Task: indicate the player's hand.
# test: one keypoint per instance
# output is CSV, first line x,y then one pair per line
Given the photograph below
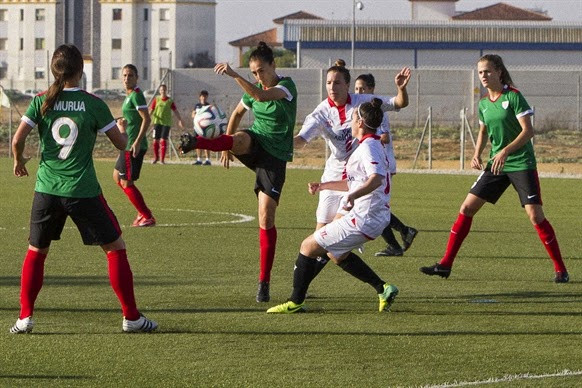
x,y
20,167
225,158
476,163
402,78
134,150
224,68
313,187
349,203
499,162
121,124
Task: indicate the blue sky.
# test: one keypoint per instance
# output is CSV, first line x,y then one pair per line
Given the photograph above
x,y
238,18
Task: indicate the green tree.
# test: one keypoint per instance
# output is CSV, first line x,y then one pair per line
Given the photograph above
x,y
283,58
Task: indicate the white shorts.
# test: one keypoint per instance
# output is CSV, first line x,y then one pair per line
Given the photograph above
x,y
327,208
339,237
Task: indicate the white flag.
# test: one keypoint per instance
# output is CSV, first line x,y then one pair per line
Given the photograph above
x,y
4,100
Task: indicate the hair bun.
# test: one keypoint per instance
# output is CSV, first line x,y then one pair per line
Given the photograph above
x,y
376,102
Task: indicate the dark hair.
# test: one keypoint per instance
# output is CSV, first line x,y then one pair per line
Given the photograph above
x,y
371,113
262,53
132,68
340,67
498,64
368,80
66,65
204,93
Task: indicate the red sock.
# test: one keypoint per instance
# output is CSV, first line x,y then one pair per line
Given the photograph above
x,y
221,143
121,280
459,231
267,242
31,281
548,237
157,150
137,200
163,146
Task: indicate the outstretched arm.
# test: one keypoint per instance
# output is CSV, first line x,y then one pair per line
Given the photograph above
x,y
269,94
401,81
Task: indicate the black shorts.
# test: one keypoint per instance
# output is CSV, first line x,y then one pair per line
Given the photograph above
x,y
129,167
490,187
269,170
93,217
161,131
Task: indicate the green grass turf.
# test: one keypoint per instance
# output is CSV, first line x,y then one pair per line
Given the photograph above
x,y
498,314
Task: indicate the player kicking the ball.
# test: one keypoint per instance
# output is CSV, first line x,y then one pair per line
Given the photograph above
x,y
265,147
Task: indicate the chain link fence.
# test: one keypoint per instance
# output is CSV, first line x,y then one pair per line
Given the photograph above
x,y
451,95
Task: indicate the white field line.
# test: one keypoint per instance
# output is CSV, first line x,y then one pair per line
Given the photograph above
x,y
506,378
239,218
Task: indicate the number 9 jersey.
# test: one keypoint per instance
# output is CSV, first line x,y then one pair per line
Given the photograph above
x,y
67,135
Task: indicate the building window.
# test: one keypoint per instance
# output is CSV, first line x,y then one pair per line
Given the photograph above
x,y
145,73
116,44
145,44
38,72
21,44
3,44
3,72
21,15
164,44
3,15
39,14
117,13
165,14
146,14
116,73
39,43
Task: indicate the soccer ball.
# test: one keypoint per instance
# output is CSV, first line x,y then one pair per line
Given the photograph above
x,y
210,122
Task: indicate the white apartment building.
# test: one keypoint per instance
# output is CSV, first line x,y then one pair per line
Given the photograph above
x,y
154,35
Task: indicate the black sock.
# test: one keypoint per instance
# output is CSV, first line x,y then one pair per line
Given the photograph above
x,y
397,225
303,274
389,237
356,267
320,263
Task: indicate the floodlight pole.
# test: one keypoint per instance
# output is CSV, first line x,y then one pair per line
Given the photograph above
x,y
353,32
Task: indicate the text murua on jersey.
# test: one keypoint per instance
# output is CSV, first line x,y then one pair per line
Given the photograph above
x,y
70,106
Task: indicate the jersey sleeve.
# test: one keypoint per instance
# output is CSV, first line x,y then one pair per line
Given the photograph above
x,y
287,85
313,125
520,105
105,120
32,114
247,101
374,159
139,100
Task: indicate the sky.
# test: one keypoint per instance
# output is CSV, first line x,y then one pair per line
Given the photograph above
x,y
236,19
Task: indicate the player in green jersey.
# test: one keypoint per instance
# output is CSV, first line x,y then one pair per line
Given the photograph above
x,y
136,120
265,147
505,119
68,120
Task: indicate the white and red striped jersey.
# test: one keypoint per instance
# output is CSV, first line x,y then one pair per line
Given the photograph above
x,y
333,123
371,212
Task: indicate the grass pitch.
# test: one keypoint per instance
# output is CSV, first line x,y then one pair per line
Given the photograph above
x,y
499,314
